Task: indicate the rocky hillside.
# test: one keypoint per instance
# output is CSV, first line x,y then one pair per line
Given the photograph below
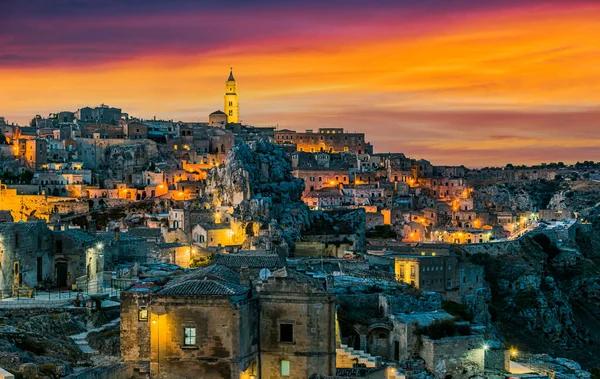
x,y
518,196
258,182
40,337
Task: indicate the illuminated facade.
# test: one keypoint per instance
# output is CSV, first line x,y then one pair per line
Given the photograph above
x,y
331,140
216,322
232,107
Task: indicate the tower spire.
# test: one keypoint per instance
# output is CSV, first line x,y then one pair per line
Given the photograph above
x,y
232,109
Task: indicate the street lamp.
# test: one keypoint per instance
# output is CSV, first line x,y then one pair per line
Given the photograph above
x,y
155,322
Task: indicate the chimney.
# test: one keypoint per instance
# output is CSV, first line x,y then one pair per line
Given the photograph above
x,y
245,276
92,227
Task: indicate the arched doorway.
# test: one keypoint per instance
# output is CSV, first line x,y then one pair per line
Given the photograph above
x,y
62,272
378,342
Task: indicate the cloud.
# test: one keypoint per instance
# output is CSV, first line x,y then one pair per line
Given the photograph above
x,y
456,82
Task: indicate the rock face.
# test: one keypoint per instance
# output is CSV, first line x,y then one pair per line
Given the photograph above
x,y
257,182
39,338
524,196
524,295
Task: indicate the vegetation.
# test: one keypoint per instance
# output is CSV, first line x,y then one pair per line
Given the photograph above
x,y
457,310
201,261
547,246
24,177
381,231
439,329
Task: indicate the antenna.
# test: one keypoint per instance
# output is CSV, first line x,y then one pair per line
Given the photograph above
x,y
264,274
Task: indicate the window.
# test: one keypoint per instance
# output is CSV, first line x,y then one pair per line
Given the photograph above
x,y
189,336
39,268
284,368
143,314
286,332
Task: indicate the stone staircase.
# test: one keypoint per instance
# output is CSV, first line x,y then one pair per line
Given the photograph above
x,y
347,357
81,338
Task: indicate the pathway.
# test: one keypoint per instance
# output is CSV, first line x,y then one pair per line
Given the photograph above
x,y
81,338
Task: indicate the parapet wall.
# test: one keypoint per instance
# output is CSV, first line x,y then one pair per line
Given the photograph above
x,y
493,248
460,357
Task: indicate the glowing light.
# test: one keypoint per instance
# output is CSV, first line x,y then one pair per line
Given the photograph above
x,y
332,182
485,346
514,352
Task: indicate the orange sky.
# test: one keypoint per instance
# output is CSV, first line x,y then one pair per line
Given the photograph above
x,y
488,87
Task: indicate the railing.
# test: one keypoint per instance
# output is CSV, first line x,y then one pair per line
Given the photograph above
x,y
50,299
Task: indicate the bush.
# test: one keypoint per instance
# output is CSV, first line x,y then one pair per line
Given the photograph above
x,y
202,261
458,310
381,231
547,245
439,329
27,344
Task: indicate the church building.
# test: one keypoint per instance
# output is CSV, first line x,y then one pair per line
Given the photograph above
x,y
232,108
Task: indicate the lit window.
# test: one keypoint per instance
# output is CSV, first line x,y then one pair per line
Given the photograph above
x,y
189,336
143,314
284,368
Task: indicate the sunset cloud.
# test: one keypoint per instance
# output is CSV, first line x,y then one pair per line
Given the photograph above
x,y
461,83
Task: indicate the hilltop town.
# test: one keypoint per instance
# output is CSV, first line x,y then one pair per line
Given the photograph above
x,y
138,248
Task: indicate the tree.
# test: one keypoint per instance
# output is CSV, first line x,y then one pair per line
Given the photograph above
x,y
33,121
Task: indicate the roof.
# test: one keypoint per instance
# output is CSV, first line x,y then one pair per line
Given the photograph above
x,y
204,287
214,271
231,79
212,226
248,260
145,232
218,112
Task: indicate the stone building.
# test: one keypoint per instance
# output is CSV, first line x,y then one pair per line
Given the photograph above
x,y
214,322
332,140
427,272
297,326
232,106
35,152
101,114
135,130
217,119
27,257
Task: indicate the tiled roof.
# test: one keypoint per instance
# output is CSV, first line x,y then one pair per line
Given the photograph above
x,y
204,287
214,271
248,260
288,273
145,232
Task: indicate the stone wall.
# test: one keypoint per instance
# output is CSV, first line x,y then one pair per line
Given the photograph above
x,y
135,334
317,249
461,357
226,336
492,248
497,359
116,371
312,314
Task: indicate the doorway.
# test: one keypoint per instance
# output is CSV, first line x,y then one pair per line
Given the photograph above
x,y
61,274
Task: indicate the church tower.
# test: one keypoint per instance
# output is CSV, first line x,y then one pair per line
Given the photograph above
x,y
232,108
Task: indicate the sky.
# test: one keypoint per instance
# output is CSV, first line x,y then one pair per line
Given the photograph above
x,y
479,83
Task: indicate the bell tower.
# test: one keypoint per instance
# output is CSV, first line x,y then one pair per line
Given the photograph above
x,y
232,108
